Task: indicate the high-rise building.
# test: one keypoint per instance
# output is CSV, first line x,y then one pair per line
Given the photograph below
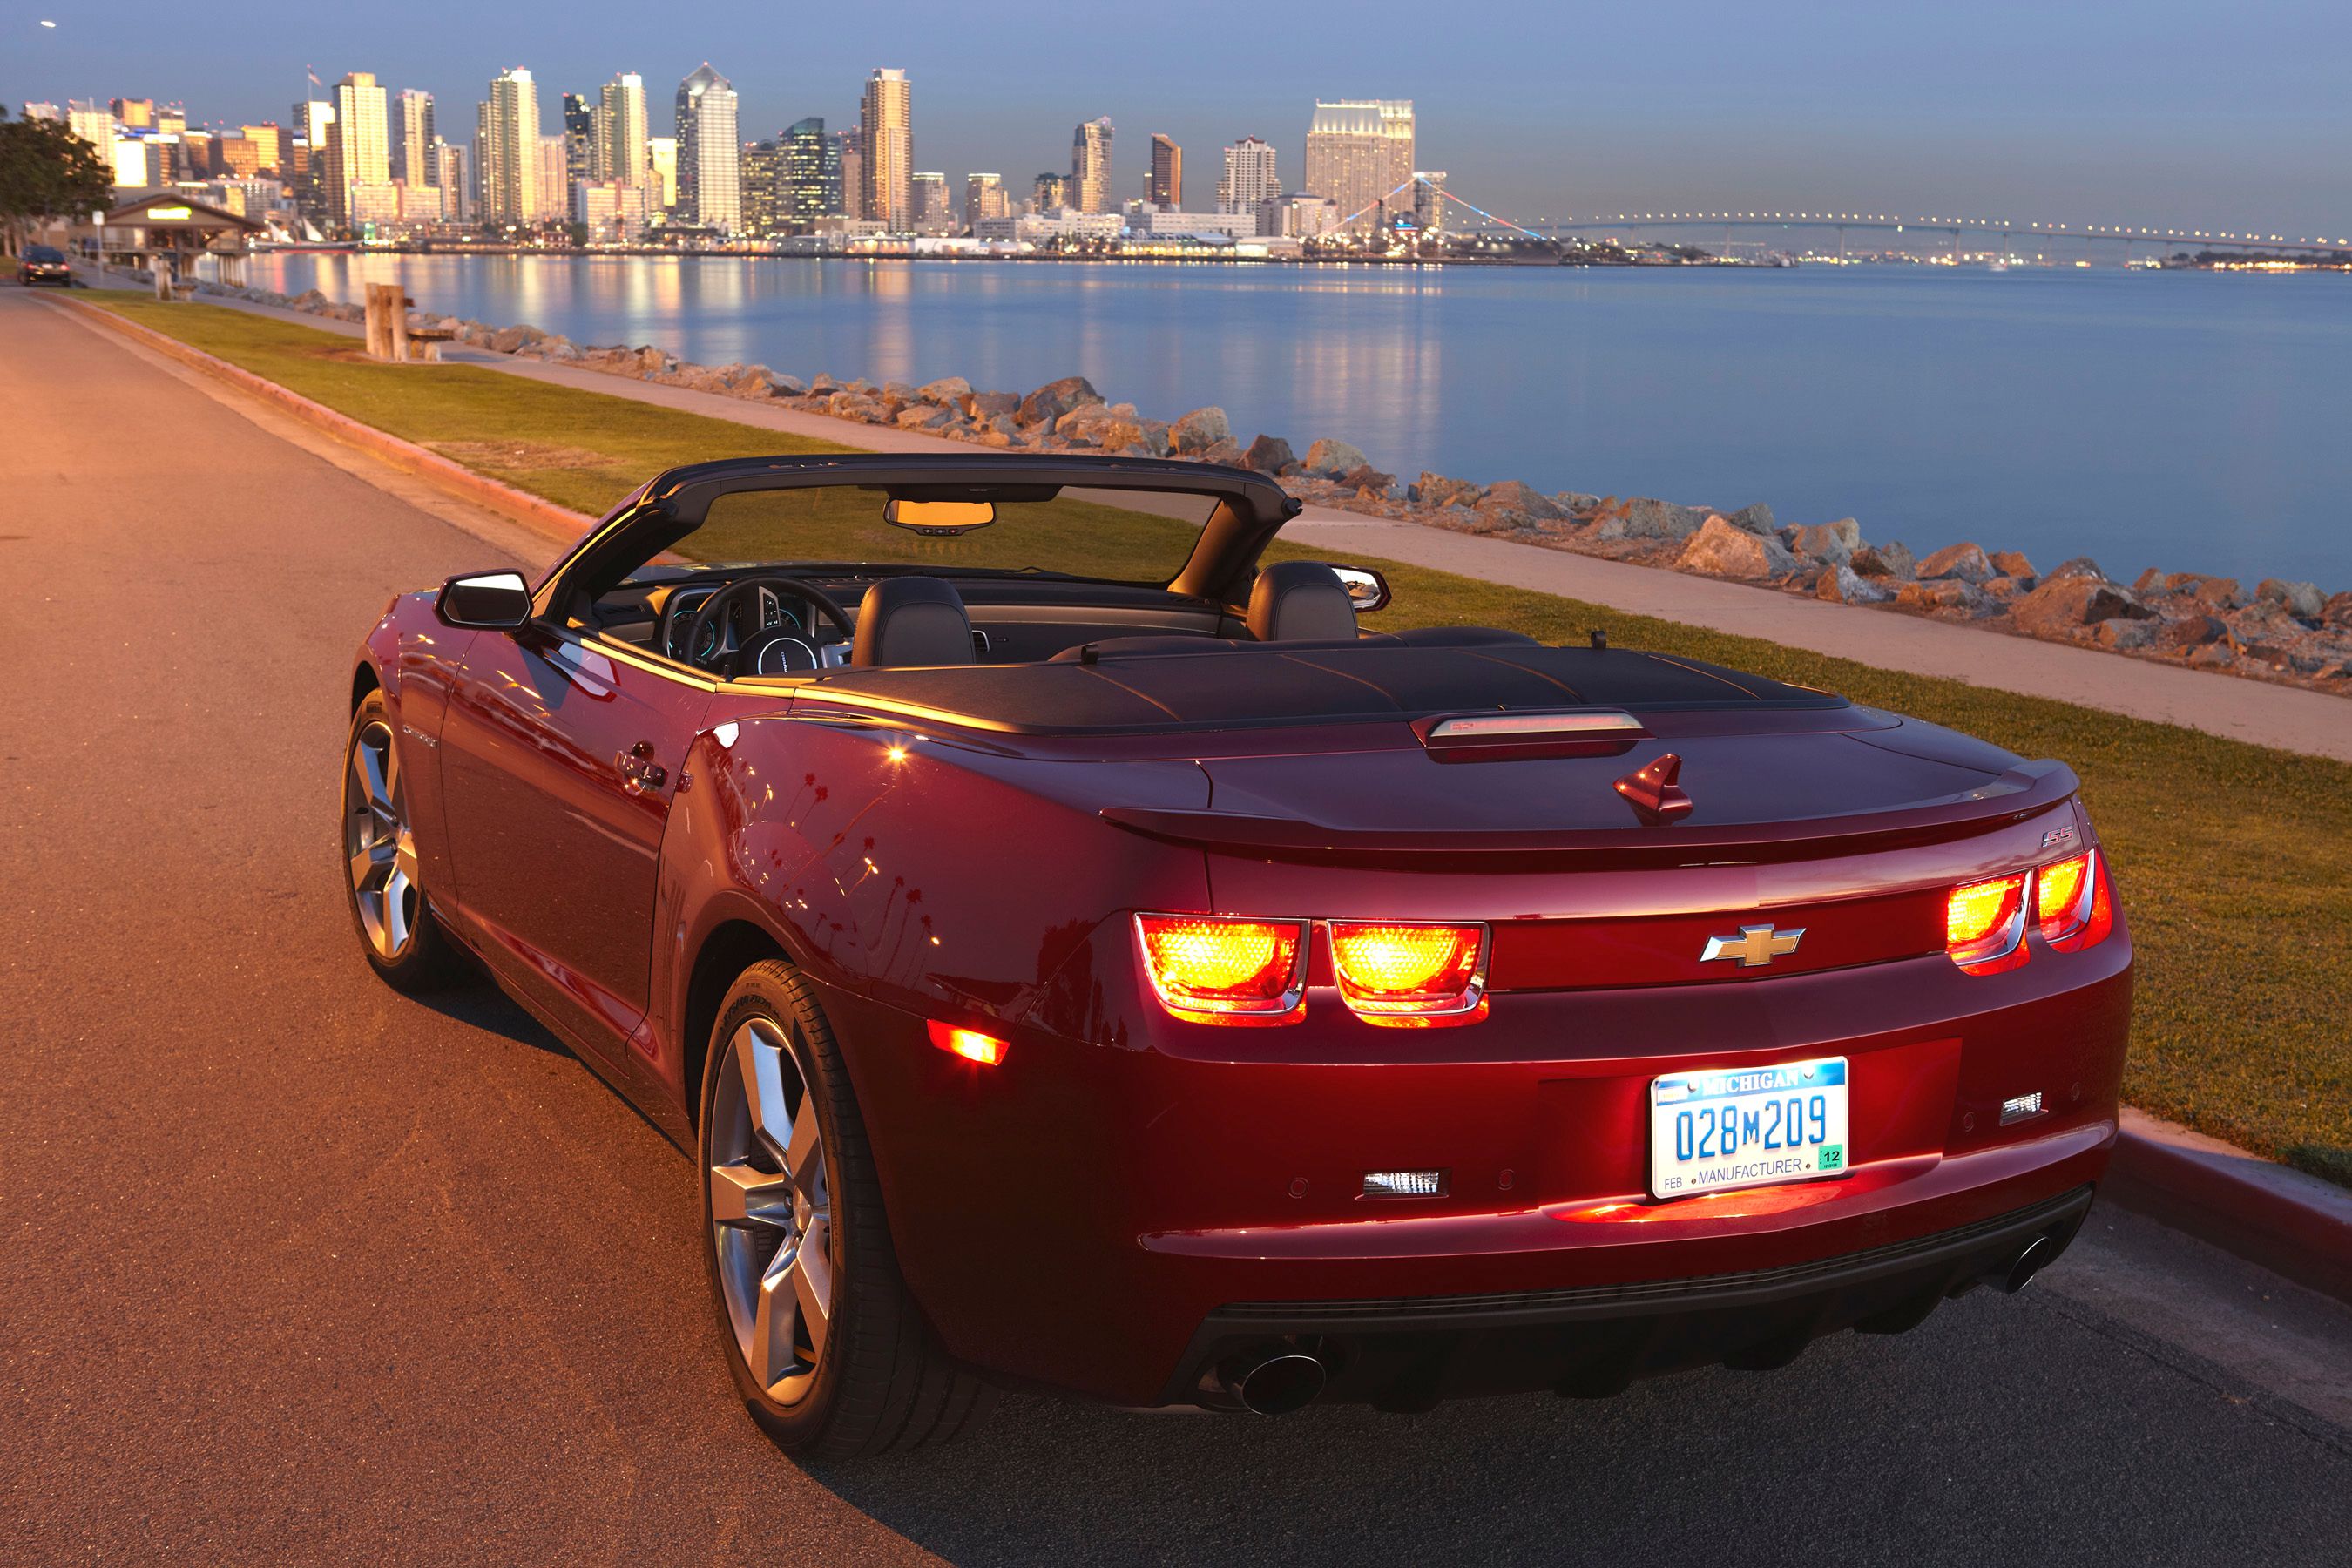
x,y
709,154
170,120
1249,179
554,171
661,160
813,184
1090,167
269,146
413,134
359,145
460,200
1429,200
134,113
612,212
619,152
886,125
1049,192
933,213
1165,186
94,125
42,111
985,196
1359,153
579,143
763,201
851,144
506,150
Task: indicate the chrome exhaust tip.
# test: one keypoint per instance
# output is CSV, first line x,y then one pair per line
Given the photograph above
x,y
2038,1256
1278,1382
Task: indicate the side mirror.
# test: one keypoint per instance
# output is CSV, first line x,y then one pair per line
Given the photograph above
x,y
1367,589
485,601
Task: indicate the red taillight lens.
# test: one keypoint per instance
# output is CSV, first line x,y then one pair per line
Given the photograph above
x,y
1218,971
1984,924
970,1044
1399,972
2072,906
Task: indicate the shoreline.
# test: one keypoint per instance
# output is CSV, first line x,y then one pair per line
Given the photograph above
x,y
2282,632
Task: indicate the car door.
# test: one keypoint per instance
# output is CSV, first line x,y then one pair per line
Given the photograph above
x,y
558,761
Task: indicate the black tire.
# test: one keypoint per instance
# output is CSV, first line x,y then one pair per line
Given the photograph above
x,y
428,960
882,1384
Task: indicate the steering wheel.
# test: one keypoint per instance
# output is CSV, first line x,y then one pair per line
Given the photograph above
x,y
752,638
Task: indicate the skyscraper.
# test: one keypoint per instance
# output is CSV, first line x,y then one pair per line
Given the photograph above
x,y
1165,187
453,160
1429,200
851,146
985,196
1358,151
812,175
1049,192
709,153
359,145
553,200
886,125
412,138
619,152
269,146
579,143
764,199
1249,178
92,124
136,113
932,212
661,158
1090,166
506,150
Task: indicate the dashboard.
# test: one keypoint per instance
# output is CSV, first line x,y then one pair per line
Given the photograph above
x,y
810,641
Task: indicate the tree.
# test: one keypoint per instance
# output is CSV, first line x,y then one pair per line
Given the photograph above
x,y
46,171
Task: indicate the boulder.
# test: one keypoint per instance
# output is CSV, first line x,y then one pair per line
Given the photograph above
x,y
1646,518
990,404
1966,561
2123,634
1720,550
1757,518
1437,490
2300,599
1576,501
1940,593
506,340
923,416
787,386
2012,563
1268,455
1892,560
1227,452
2184,634
1845,585
2213,656
1514,500
1366,478
2062,603
1833,541
2076,566
563,352
2338,611
2004,589
1331,458
1056,398
823,385
947,389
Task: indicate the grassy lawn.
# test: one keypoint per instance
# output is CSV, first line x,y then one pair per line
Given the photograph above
x,y
2234,861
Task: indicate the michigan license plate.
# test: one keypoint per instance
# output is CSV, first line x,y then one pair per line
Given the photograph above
x,y
1746,1127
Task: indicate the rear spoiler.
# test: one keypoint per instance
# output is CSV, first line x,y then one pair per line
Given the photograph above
x,y
2026,790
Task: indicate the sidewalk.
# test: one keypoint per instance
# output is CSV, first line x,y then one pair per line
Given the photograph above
x,y
2285,717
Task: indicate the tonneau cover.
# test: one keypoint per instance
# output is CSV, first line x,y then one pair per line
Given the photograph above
x,y
1270,684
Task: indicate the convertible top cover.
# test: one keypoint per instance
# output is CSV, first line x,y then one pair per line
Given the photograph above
x,y
1292,684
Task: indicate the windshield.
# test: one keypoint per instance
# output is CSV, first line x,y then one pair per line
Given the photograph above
x,y
1121,536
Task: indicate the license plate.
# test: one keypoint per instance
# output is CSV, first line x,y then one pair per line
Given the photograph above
x,y
1746,1127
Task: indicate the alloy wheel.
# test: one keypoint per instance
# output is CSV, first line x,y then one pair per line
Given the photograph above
x,y
772,1210
379,847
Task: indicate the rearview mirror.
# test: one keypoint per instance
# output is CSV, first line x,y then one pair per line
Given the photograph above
x,y
485,601
938,519
1367,589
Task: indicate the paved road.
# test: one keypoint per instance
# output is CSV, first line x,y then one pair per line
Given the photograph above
x,y
293,1268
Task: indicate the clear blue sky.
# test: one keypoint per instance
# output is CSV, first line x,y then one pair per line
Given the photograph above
x,y
2168,111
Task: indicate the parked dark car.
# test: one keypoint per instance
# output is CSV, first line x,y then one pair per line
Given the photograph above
x,y
1078,955
44,264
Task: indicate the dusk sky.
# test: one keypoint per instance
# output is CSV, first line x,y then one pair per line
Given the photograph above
x,y
2167,112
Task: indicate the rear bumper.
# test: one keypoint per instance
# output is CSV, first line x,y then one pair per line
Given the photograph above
x,y
1407,1353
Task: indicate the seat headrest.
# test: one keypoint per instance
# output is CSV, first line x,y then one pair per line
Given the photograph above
x,y
912,621
1293,600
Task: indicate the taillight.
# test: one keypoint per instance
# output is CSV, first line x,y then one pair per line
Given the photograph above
x,y
1984,924
2072,905
1214,970
1395,973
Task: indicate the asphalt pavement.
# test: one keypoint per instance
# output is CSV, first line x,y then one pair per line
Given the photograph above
x,y
292,1267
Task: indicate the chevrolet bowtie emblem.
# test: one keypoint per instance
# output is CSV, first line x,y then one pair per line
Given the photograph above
x,y
1754,947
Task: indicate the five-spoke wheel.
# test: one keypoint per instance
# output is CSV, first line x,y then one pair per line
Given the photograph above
x,y
380,869
771,1209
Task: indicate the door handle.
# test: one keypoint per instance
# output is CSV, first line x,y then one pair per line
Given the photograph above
x,y
639,772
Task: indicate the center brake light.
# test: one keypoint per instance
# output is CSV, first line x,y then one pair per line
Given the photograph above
x,y
1211,969
1410,974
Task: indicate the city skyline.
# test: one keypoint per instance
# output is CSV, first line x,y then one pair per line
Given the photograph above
x,y
1537,114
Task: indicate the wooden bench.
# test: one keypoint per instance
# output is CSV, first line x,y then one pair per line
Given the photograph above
x,y
424,342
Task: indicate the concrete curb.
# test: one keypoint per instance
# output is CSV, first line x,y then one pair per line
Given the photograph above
x,y
559,523
2289,1223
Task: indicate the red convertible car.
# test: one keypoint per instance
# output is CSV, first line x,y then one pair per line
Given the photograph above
x,y
1081,956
